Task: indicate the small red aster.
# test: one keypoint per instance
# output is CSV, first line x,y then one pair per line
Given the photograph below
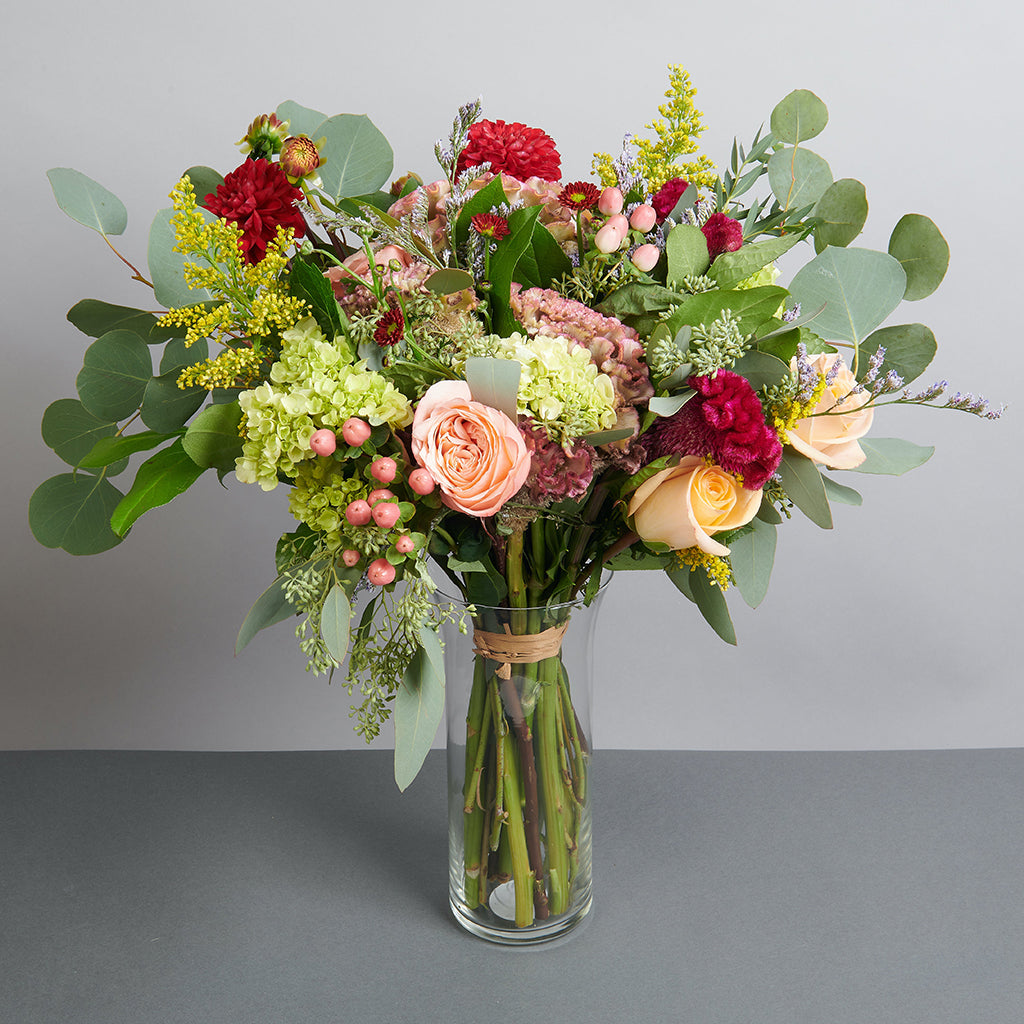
x,y
258,198
723,234
490,225
390,328
513,149
579,195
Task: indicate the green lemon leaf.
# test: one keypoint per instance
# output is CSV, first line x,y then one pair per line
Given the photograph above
x,y
160,478
112,449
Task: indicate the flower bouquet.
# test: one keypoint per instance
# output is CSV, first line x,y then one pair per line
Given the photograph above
x,y
519,381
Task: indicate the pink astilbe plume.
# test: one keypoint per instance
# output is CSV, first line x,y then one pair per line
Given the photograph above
x,y
725,421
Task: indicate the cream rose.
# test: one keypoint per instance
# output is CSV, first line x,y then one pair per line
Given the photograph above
x,y
475,453
831,439
683,505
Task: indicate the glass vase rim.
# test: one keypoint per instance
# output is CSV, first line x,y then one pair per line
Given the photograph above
x,y
576,602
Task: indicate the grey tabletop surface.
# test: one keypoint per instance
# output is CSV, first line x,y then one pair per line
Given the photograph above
x,y
730,888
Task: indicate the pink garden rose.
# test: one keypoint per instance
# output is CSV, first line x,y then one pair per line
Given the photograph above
x,y
683,505
831,437
475,453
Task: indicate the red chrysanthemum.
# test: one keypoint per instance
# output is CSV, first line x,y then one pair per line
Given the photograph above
x,y
513,149
724,420
723,234
390,329
258,198
665,199
490,225
579,195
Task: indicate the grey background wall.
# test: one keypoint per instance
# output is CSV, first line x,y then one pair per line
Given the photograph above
x,y
899,628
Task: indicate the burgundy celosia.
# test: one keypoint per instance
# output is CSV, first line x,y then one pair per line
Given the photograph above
x,y
725,421
723,234
555,474
665,199
512,148
258,198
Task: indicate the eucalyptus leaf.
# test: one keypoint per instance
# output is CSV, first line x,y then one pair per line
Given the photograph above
x,y
449,281
842,211
270,607
860,287
804,487
212,439
165,406
923,253
334,622
752,555
301,120
761,369
494,382
204,181
72,511
669,405
909,348
891,456
687,251
680,577
87,201
803,318
840,492
160,478
798,177
357,158
95,318
768,513
711,603
798,117
685,202
166,266
72,431
602,437
111,449
114,374
177,355
731,268
419,707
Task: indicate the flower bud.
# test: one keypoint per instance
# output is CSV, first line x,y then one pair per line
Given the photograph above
x,y
355,431
264,137
323,442
646,257
608,239
380,572
350,556
357,512
300,157
405,544
610,202
421,481
383,469
643,218
385,514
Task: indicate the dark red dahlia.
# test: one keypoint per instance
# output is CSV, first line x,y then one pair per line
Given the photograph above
x,y
665,199
258,198
390,329
723,234
579,195
513,149
490,225
726,421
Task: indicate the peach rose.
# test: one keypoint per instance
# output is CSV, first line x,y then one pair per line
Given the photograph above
x,y
683,505
831,439
475,453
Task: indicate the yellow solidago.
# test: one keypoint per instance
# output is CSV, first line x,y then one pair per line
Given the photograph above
x,y
785,415
718,571
250,301
676,136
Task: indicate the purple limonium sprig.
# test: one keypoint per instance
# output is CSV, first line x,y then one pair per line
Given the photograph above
x,y
806,375
792,314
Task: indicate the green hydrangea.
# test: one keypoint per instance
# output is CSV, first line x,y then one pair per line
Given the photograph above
x,y
314,384
560,386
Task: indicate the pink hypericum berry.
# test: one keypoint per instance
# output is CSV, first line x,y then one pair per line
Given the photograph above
x,y
323,442
358,512
421,481
350,556
355,431
380,494
380,572
385,514
643,218
609,238
384,469
646,257
619,222
405,544
610,201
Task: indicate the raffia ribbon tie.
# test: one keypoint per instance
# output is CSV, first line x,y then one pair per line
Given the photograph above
x,y
509,650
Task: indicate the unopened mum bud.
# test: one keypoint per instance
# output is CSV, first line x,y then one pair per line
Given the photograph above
x,y
300,157
264,137
610,202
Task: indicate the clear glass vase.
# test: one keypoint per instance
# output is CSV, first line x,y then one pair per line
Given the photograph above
x,y
518,719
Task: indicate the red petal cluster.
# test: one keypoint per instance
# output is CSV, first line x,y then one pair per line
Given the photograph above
x,y
723,234
665,199
390,329
513,149
726,421
258,198
490,225
579,195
